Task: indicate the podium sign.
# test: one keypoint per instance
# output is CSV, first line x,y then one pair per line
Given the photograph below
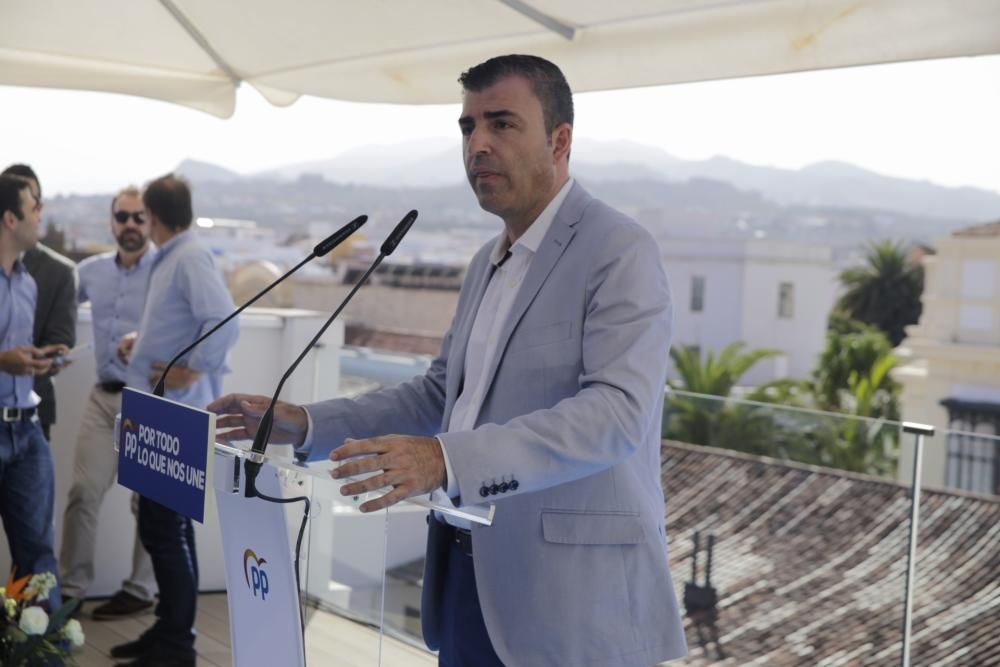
x,y
265,624
165,451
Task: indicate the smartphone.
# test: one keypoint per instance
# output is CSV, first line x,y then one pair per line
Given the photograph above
x,y
72,355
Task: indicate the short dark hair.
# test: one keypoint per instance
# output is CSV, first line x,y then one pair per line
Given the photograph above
x,y
130,191
547,82
169,199
10,194
24,171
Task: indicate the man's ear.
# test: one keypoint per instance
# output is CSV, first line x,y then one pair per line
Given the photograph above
x,y
562,141
8,220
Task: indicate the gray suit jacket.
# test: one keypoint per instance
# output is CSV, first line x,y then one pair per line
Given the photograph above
x,y
573,570
55,314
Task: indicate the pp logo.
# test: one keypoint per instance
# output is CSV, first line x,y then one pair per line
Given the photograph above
x,y
253,571
129,438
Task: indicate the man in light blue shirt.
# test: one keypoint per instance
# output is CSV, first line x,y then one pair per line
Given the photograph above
x,y
26,471
186,298
115,284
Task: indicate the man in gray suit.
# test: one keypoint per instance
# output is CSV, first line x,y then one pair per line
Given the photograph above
x,y
546,399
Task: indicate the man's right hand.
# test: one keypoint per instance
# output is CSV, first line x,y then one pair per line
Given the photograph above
x,y
125,346
242,413
24,360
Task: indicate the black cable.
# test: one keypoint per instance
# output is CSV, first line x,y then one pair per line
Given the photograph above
x,y
298,550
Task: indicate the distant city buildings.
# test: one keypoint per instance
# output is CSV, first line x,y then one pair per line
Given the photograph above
x,y
951,369
769,294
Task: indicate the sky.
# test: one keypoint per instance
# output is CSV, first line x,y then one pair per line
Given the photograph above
x,y
933,120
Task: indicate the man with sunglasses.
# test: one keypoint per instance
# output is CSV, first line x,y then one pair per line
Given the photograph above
x,y
55,313
115,284
187,296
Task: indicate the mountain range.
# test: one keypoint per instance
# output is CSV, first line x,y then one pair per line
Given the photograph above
x,y
827,202
437,163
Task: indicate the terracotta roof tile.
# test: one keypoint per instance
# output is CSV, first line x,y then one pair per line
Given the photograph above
x,y
985,229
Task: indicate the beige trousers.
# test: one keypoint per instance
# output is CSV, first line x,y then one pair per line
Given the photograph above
x,y
95,470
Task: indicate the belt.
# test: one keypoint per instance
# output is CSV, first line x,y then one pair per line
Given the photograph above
x,y
17,414
112,386
460,536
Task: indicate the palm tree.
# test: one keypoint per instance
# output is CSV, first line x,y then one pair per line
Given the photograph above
x,y
885,291
717,375
852,381
855,351
708,421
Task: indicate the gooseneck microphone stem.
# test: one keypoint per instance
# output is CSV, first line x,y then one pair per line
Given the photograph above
x,y
267,420
322,248
251,467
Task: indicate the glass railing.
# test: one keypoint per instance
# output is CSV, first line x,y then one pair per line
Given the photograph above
x,y
787,433
817,555
957,572
811,531
359,573
881,549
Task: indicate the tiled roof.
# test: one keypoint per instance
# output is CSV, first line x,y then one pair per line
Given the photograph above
x,y
394,341
809,564
985,229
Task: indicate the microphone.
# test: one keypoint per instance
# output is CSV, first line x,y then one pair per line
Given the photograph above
x,y
252,468
320,249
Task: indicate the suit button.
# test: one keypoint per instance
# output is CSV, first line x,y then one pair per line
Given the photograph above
x,y
514,484
504,486
483,491
494,489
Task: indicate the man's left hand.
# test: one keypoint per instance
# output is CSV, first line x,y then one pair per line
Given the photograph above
x,y
179,377
56,352
411,465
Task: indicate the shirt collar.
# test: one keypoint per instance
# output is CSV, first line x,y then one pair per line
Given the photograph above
x,y
532,237
144,259
183,237
17,269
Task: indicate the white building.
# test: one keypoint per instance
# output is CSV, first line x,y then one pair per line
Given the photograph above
x,y
769,294
951,369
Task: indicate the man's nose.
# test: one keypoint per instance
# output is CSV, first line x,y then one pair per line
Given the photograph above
x,y
477,142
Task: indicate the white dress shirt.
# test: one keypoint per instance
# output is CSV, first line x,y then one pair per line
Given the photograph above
x,y
493,311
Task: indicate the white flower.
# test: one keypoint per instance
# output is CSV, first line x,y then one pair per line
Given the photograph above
x,y
39,586
34,621
73,631
10,606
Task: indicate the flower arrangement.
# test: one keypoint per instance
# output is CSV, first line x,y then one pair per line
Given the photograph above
x,y
29,636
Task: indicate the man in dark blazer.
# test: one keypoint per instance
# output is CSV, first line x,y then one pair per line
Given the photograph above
x,y
55,313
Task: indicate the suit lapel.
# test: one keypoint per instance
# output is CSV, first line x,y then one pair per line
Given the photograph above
x,y
551,249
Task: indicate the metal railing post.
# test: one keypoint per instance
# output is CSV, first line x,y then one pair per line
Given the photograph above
x,y
920,431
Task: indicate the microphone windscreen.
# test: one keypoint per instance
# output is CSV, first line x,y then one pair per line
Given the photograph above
x,y
339,236
398,233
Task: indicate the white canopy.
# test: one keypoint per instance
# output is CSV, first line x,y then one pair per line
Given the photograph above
x,y
196,52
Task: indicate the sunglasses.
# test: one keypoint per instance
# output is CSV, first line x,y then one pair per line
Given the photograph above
x,y
121,217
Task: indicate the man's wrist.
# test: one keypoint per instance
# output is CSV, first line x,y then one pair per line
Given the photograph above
x,y
305,446
450,485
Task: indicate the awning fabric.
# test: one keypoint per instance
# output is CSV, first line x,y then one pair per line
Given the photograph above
x,y
196,52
